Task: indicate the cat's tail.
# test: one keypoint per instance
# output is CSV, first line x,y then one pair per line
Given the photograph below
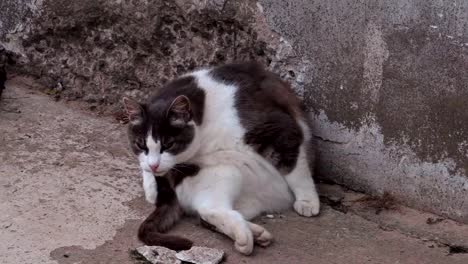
x,y
166,215
149,235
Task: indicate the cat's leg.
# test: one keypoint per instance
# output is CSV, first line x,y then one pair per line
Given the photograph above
x,y
261,236
278,139
230,223
214,192
150,187
301,183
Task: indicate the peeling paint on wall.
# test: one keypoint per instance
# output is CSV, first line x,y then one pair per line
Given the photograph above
x,y
394,168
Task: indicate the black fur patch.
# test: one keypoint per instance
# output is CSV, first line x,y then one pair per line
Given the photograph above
x,y
268,109
181,171
187,86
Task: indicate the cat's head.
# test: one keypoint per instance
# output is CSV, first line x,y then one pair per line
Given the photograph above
x,y
161,133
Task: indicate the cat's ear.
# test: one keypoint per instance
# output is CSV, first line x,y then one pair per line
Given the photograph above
x,y
134,110
180,111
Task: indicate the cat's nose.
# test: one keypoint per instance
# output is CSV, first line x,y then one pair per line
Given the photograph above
x,y
154,167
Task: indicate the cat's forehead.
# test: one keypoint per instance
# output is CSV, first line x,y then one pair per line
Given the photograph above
x,y
153,124
158,109
144,132
140,130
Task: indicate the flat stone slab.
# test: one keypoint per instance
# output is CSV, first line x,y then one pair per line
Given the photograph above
x,y
158,255
201,255
195,255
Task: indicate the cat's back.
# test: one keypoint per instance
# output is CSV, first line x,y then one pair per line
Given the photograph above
x,y
258,91
245,86
249,88
271,115
244,105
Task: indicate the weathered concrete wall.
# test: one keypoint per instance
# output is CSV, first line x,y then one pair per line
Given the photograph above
x,y
388,88
386,81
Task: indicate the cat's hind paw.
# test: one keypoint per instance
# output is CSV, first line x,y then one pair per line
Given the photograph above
x,y
261,236
244,241
307,208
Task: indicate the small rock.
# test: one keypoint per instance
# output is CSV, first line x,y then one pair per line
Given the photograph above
x,y
270,216
432,221
59,87
158,255
336,199
201,255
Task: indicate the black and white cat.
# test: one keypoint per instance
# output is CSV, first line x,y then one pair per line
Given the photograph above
x,y
229,143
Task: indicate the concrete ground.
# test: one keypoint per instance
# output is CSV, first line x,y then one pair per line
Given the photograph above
x,y
70,193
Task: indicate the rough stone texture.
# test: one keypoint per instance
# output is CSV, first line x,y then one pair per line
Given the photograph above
x,y
100,50
71,193
201,255
385,81
158,255
196,255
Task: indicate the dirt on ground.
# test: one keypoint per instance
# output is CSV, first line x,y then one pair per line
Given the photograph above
x,y
70,192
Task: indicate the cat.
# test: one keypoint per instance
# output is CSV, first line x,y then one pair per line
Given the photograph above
x,y
226,143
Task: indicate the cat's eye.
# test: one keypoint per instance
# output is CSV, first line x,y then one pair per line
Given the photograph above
x,y
167,145
140,144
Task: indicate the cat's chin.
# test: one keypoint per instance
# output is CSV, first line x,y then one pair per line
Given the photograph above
x,y
159,173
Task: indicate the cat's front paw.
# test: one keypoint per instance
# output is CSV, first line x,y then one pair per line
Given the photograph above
x,y
150,187
151,196
307,208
